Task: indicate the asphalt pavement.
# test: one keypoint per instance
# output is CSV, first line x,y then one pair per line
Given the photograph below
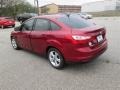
x,y
23,70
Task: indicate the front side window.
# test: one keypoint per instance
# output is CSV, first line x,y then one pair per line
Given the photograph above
x,y
28,25
75,22
42,25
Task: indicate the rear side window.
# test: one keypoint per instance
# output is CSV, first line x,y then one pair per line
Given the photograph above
x,y
54,26
75,22
42,25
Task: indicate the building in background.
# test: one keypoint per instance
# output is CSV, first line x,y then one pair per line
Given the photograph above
x,y
54,8
101,6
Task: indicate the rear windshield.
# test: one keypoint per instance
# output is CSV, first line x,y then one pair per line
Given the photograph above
x,y
75,21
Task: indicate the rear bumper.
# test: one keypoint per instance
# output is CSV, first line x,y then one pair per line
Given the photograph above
x,y
86,54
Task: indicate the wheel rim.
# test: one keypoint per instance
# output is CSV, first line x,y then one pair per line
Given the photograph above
x,y
14,44
54,58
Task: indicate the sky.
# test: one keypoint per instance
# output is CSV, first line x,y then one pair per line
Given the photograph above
x,y
62,2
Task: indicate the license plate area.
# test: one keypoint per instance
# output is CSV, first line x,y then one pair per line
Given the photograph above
x,y
99,38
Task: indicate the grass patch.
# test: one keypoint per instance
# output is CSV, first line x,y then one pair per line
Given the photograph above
x,y
110,13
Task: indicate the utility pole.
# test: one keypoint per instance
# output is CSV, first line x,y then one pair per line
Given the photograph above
x,y
36,1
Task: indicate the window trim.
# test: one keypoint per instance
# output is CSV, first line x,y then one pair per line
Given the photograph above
x,y
54,23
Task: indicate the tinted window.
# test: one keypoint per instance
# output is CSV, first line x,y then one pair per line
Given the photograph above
x,y
27,26
54,26
42,24
75,21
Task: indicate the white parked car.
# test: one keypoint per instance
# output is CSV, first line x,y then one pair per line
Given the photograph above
x,y
85,15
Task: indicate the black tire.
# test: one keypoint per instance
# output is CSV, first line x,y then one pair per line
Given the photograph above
x,y
13,25
61,62
14,44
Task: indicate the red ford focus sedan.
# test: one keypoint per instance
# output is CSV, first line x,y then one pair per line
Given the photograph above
x,y
6,21
62,38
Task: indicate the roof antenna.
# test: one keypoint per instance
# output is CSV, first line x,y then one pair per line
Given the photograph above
x,y
68,15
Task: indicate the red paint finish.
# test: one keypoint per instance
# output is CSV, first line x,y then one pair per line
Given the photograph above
x,y
6,21
23,39
76,45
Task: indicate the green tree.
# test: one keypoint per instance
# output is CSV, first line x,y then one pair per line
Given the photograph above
x,y
14,7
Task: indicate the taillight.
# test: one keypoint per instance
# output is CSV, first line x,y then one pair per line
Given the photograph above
x,y
78,37
78,40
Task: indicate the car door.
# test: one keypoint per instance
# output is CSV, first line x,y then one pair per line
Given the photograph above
x,y
39,35
23,37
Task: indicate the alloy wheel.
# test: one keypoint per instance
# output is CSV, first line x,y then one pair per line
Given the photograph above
x,y
14,44
55,58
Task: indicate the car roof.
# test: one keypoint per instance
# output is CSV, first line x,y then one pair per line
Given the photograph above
x,y
4,17
53,16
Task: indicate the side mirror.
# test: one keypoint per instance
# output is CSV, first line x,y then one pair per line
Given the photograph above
x,y
17,28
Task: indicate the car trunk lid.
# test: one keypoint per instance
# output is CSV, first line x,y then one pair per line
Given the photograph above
x,y
94,30
97,34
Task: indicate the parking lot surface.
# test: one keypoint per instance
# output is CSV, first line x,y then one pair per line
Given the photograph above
x,y
23,70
